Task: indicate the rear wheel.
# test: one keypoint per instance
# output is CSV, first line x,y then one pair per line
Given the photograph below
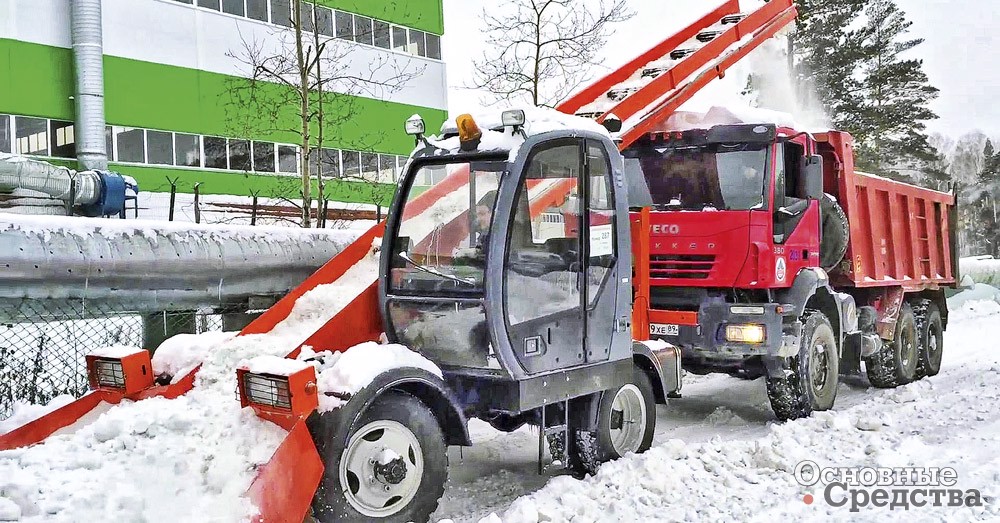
x,y
393,467
895,363
625,421
931,329
811,382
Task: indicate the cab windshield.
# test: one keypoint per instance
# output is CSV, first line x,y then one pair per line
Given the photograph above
x,y
444,227
713,176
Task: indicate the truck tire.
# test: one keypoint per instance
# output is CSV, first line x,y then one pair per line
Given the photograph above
x,y
393,467
931,334
836,233
811,384
895,363
625,421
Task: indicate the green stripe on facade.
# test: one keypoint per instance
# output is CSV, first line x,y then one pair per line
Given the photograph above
x,y
37,80
426,15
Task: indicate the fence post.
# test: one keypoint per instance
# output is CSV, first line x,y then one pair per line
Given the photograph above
x,y
253,209
173,198
197,203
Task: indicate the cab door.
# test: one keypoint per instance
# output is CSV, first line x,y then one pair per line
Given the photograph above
x,y
560,267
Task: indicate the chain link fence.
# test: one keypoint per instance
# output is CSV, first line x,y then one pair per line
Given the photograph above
x,y
43,344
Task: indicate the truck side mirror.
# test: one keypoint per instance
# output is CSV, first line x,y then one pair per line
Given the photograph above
x,y
812,177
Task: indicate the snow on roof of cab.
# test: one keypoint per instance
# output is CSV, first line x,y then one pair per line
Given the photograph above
x,y
718,115
538,120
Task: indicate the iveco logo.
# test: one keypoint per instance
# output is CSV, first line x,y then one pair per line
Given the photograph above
x,y
666,229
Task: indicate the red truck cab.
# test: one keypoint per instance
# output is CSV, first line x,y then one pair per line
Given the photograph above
x,y
760,236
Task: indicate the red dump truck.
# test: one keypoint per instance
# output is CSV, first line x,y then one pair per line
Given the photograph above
x,y
771,256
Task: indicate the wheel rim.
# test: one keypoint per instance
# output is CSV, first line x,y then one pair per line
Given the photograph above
x,y
628,420
381,468
820,366
907,348
934,344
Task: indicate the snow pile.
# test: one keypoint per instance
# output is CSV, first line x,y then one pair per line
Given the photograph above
x,y
115,351
187,459
946,421
24,413
181,353
684,120
982,269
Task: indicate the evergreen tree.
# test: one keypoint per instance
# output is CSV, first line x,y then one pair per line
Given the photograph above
x,y
986,230
889,123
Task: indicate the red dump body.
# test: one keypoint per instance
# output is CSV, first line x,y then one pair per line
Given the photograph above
x,y
901,235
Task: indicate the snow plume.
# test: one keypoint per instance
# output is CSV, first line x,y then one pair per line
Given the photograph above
x,y
771,85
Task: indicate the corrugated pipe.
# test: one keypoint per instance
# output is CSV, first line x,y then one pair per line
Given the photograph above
x,y
88,56
17,172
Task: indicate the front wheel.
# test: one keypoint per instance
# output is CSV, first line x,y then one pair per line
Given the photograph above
x,y
393,467
625,420
811,381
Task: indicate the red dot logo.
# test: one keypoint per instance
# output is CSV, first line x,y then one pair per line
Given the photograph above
x,y
808,498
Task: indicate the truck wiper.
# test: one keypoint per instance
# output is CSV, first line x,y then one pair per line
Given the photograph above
x,y
468,281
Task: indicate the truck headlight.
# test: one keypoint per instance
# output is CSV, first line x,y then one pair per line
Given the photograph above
x,y
109,373
278,389
267,390
745,333
126,370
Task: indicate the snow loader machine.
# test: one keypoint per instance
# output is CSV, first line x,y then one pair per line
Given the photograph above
x,y
521,273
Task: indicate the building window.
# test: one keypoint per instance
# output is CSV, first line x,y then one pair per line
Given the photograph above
x,y
281,12
215,153
417,45
324,21
433,46
351,162
399,39
369,166
233,7
131,146
109,143
257,10
382,35
31,136
288,159
187,150
159,148
330,163
307,17
62,139
345,25
239,155
5,141
263,157
363,30
209,4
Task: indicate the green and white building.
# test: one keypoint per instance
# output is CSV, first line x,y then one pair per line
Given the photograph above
x,y
168,69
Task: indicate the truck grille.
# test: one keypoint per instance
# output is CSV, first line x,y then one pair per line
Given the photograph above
x,y
681,266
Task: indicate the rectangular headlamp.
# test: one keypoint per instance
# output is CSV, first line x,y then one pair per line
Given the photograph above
x,y
279,390
745,333
120,369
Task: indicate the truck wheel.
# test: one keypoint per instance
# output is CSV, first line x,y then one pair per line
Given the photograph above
x,y
895,363
836,233
811,384
393,467
626,419
931,330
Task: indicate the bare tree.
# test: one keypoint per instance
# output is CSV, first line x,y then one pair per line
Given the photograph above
x,y
542,50
302,83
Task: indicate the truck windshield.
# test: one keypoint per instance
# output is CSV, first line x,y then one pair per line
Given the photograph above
x,y
715,176
444,227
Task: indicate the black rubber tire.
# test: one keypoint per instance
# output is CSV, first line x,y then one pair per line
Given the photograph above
x,y
331,505
895,363
798,395
836,233
592,448
931,327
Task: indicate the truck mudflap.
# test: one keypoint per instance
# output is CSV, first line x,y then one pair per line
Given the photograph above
x,y
660,361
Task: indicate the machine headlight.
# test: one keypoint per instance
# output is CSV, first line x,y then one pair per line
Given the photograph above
x,y
415,125
745,333
267,390
513,118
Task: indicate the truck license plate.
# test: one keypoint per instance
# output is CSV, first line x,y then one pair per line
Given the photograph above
x,y
664,329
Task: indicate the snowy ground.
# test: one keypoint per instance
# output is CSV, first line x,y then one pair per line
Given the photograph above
x,y
719,455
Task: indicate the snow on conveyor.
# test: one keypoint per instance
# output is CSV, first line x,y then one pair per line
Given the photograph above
x,y
718,457
187,459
